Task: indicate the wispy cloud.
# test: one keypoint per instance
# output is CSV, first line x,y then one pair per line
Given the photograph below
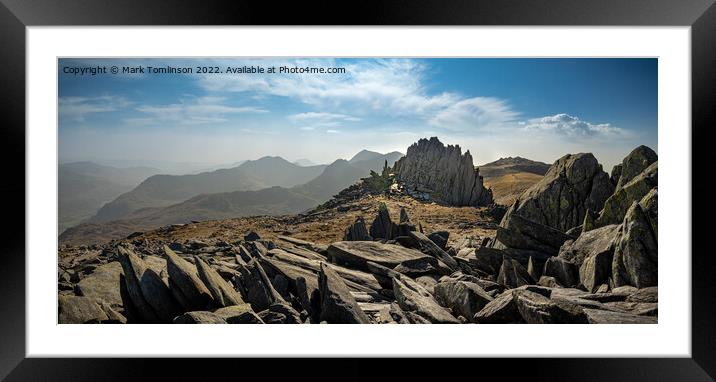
x,y
202,110
78,108
475,114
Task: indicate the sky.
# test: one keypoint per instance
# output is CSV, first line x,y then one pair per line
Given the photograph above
x,y
540,108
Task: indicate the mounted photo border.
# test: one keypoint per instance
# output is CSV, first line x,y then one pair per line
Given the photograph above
x,y
16,16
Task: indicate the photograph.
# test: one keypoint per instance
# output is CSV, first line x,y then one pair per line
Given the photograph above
x,y
357,190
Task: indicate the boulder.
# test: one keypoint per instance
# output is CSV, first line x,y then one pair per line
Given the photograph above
x,y
488,260
616,174
357,231
199,317
102,283
549,282
596,241
185,283
222,292
501,310
521,233
513,274
337,304
357,253
598,316
564,271
635,163
428,247
440,238
134,269
252,236
574,184
644,295
85,310
635,255
615,208
422,266
257,289
280,313
538,309
382,226
413,298
463,298
649,203
231,313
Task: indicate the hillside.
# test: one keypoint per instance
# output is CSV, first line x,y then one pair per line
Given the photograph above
x,y
83,187
510,177
165,190
221,205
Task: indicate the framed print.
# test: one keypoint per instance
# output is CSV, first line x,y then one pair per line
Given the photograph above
x,y
446,177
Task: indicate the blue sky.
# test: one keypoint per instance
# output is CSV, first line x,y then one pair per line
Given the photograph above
x,y
536,108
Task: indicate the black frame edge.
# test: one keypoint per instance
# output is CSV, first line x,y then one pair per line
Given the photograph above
x,y
700,14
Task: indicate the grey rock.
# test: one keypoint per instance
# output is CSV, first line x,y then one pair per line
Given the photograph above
x,y
185,283
413,298
513,274
422,266
440,238
521,233
445,171
549,282
429,247
635,255
252,236
537,309
574,184
134,269
258,290
222,292
635,163
83,310
357,231
463,298
357,253
650,294
598,316
102,283
337,304
382,227
501,310
597,241
199,317
615,208
564,271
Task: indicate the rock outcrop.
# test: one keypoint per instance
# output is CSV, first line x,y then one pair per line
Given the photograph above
x,y
443,172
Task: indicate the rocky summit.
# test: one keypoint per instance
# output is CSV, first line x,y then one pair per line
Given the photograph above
x,y
443,173
579,246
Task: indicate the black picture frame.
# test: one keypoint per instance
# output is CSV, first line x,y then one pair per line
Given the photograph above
x,y
16,15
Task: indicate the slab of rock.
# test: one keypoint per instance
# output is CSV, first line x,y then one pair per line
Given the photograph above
x,y
222,292
650,294
501,310
638,308
549,282
257,289
413,298
513,274
574,184
463,298
337,304
449,174
102,283
357,231
421,267
186,284
85,310
541,241
382,227
596,241
649,203
357,253
231,313
280,313
488,260
134,269
440,238
615,208
564,271
596,316
635,254
199,317
635,163
596,270
537,309
427,246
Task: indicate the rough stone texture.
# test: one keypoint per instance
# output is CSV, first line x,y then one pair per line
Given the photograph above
x,y
357,231
134,268
513,274
357,253
199,317
564,271
635,163
337,304
413,298
549,282
635,254
444,172
501,310
280,313
222,292
538,309
84,310
649,203
382,227
598,316
534,238
486,259
616,174
600,240
102,283
463,298
429,247
257,288
185,283
440,238
596,270
616,206
571,186
420,267
650,294
534,271
231,313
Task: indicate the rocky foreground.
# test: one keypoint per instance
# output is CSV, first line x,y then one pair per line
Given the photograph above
x,y
580,246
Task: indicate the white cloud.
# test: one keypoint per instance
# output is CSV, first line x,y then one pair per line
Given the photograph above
x,y
570,126
77,108
474,114
202,110
331,131
321,119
